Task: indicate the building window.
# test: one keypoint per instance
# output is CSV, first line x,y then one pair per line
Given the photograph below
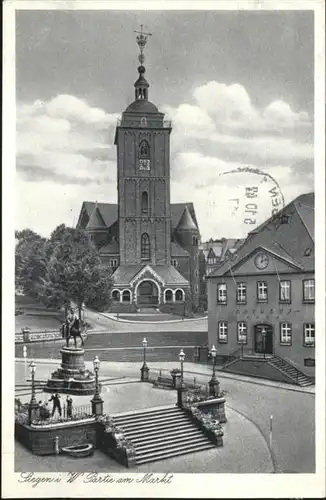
x,y
194,240
242,332
309,290
309,334
126,296
196,288
222,293
144,151
144,202
143,122
196,273
285,291
113,263
179,295
285,334
116,296
222,332
262,291
145,247
241,293
174,262
307,252
168,296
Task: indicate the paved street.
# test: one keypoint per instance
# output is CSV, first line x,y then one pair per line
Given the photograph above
x,y
293,411
126,346
107,323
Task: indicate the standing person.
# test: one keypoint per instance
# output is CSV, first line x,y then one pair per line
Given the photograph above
x,y
69,406
56,403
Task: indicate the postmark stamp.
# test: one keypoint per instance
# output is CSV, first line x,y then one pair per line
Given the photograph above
x,y
256,196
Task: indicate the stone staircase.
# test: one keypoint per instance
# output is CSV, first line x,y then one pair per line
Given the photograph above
x,y
293,373
161,433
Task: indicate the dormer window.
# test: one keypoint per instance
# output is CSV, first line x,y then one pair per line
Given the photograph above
x,y
307,252
285,219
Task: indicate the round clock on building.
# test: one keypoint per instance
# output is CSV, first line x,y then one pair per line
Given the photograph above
x,y
261,261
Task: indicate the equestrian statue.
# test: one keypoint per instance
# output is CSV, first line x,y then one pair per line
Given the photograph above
x,y
71,328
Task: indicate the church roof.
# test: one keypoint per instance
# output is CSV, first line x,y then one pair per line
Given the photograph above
x,y
110,248
169,274
290,240
142,106
177,250
109,212
186,222
96,220
177,210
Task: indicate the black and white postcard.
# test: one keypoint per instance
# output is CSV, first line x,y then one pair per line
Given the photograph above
x,y
164,249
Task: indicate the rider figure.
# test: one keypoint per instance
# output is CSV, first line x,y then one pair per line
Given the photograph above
x,y
73,322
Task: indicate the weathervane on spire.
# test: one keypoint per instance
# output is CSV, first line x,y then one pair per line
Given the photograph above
x,y
141,41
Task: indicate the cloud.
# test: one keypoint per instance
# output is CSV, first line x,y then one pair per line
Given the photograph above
x,y
64,139
65,155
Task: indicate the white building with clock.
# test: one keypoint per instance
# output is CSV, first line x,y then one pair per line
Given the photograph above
x,y
261,301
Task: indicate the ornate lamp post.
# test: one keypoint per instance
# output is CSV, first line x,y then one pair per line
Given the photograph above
x,y
181,358
214,386
33,406
182,390
144,369
97,401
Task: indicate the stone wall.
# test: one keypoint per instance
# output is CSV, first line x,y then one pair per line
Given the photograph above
x,y
40,439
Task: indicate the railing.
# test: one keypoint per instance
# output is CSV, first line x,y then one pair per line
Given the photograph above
x,y
233,355
34,336
73,413
166,123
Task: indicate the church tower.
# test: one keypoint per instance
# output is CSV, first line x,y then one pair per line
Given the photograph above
x,y
143,162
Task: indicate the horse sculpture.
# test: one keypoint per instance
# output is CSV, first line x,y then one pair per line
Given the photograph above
x,y
69,330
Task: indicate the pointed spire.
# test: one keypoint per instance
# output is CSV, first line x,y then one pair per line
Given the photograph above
x,y
141,85
95,221
186,221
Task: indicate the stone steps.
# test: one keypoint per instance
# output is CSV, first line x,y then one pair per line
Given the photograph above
x,y
293,373
161,433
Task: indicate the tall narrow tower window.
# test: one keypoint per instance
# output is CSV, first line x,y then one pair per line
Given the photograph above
x,y
144,202
145,247
144,151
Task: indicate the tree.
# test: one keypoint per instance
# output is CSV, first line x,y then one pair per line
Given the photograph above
x,y
30,261
74,272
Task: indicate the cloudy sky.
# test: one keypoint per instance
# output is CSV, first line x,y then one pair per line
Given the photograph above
x,y
238,87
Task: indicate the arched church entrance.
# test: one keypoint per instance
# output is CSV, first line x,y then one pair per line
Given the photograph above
x,y
147,293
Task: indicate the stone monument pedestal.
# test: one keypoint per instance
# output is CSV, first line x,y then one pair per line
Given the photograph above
x,y
72,377
182,396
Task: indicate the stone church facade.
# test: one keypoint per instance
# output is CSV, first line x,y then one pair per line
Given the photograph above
x,y
149,245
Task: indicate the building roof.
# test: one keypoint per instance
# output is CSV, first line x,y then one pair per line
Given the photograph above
x,y
110,248
177,250
142,106
177,210
96,220
186,223
168,274
289,241
109,212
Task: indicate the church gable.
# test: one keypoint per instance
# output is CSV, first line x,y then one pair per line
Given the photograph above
x,y
147,273
262,261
